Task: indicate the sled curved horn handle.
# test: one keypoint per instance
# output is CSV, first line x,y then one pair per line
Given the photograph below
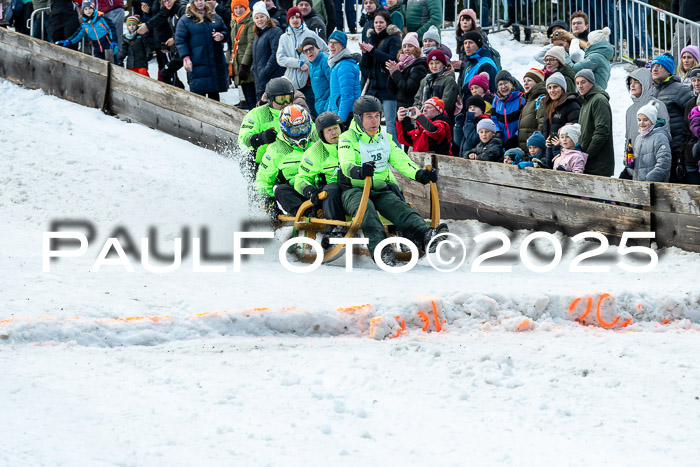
x,y
434,202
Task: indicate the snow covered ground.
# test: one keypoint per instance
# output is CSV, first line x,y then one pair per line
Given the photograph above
x,y
268,367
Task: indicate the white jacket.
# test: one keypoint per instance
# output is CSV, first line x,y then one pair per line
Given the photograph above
x,y
290,56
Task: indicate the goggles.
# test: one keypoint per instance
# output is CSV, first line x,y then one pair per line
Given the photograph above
x,y
300,130
284,99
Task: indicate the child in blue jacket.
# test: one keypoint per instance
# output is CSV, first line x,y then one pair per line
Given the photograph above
x,y
97,28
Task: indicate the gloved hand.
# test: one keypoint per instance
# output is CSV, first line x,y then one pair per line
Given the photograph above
x,y
264,137
244,72
524,164
312,193
65,43
681,171
366,170
115,47
561,168
424,176
537,163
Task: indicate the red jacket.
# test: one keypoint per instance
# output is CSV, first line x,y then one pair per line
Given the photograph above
x,y
426,135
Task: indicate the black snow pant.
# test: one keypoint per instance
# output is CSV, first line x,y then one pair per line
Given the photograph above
x,y
385,201
333,204
62,26
288,198
168,74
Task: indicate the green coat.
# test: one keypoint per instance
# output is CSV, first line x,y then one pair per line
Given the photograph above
x,y
532,114
421,14
445,87
320,159
596,138
597,59
350,156
257,120
280,164
570,77
244,54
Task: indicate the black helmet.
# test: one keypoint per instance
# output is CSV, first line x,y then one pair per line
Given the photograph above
x,y
365,104
326,120
278,87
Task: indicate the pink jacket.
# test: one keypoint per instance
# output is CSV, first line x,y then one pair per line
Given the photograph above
x,y
573,160
694,118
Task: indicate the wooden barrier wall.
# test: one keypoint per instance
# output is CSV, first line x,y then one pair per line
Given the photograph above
x,y
492,193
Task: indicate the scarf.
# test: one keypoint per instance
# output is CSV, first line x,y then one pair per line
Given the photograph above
x,y
333,61
405,61
130,35
647,131
427,50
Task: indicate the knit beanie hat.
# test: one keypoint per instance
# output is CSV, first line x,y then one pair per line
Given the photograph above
x,y
557,24
487,123
651,112
260,7
476,101
537,140
557,78
599,36
504,75
588,74
481,81
692,50
468,12
694,73
297,2
293,11
434,34
87,3
572,130
515,153
473,36
133,19
411,38
665,60
437,54
339,36
439,104
535,74
243,3
307,41
557,52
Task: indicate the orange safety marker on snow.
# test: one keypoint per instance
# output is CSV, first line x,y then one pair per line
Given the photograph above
x,y
438,327
600,318
601,321
353,308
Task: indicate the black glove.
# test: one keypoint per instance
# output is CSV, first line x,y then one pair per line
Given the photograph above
x,y
264,137
561,168
311,193
364,171
681,172
424,176
244,72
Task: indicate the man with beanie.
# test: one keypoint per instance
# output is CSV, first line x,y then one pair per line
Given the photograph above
x,y
531,117
597,57
596,126
421,14
490,147
690,140
345,77
507,104
479,59
319,73
668,89
652,154
428,130
290,55
312,20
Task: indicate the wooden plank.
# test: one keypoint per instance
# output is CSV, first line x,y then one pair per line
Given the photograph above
x,y
543,208
172,123
549,181
176,100
679,230
56,70
416,193
684,199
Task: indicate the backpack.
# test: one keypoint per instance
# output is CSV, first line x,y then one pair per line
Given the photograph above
x,y
496,59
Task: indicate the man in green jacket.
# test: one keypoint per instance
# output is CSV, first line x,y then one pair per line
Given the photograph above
x,y
596,125
365,151
421,14
280,164
261,125
318,171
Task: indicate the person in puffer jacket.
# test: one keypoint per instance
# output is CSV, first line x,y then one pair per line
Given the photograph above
x,y
505,111
319,74
652,151
597,57
440,82
532,113
421,14
97,28
571,158
345,77
265,45
426,131
133,48
490,148
465,135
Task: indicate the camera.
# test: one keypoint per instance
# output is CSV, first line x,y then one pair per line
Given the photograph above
x,y
412,112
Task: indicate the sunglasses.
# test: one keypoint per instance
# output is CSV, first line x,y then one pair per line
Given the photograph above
x,y
284,99
308,51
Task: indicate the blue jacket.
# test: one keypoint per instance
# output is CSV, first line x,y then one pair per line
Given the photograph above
x,y
320,74
265,65
506,115
209,67
466,136
99,30
345,84
480,61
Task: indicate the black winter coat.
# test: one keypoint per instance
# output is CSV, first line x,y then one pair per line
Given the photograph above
x,y
491,151
386,45
163,22
566,112
134,50
404,84
688,9
689,139
209,66
674,95
265,66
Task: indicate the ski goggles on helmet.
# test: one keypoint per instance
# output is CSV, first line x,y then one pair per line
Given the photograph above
x,y
299,130
284,99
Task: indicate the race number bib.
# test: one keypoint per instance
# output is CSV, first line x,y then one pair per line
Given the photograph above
x,y
378,152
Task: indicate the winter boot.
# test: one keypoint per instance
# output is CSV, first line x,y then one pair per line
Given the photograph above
x,y
431,233
337,232
388,256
